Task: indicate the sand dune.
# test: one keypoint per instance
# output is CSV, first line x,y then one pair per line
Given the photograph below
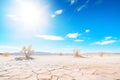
x,y
55,67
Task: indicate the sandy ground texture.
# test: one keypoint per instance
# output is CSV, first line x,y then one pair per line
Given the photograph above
x,y
55,67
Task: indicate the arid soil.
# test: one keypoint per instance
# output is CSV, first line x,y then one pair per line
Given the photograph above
x,y
55,67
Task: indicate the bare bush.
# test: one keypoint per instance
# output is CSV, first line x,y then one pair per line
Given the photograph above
x,y
60,54
76,53
27,51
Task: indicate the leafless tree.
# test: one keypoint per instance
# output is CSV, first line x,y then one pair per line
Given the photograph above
x,y
27,51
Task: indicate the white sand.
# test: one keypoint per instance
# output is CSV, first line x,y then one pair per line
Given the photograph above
x,y
53,67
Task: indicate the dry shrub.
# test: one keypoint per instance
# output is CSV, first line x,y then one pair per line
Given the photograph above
x,y
27,51
60,54
76,53
100,54
5,54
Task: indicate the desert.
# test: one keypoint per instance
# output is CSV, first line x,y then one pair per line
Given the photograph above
x,y
59,39
61,67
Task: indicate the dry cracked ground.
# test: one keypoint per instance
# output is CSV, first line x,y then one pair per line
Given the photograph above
x,y
60,68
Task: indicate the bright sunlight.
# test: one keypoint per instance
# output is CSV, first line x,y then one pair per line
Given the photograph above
x,y
30,16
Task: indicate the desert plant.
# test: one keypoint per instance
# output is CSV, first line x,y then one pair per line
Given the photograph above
x,y
5,54
76,53
27,51
100,54
60,54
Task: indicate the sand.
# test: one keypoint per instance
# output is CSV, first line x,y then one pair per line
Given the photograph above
x,y
55,67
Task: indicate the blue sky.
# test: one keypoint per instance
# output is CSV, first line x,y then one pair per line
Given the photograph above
x,y
60,25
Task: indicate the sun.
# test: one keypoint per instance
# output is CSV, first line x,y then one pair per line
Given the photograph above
x,y
31,16
32,13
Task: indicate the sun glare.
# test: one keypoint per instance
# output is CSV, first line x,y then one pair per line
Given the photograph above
x,y
31,16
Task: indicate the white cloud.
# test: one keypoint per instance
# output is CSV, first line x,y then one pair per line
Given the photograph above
x,y
12,47
72,1
83,6
72,35
105,42
87,30
79,40
50,37
53,15
108,37
13,17
4,48
58,12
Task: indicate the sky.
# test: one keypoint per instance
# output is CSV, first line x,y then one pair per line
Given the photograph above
x,y
60,26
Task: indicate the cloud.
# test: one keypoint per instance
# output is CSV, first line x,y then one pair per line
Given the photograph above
x,y
58,12
53,15
4,48
83,6
72,1
11,47
79,40
87,30
72,35
105,42
13,17
50,37
108,37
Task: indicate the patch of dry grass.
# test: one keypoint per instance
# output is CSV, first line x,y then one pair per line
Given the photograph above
x,y
100,54
5,54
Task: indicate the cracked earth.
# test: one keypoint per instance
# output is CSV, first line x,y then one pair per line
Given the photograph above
x,y
55,67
